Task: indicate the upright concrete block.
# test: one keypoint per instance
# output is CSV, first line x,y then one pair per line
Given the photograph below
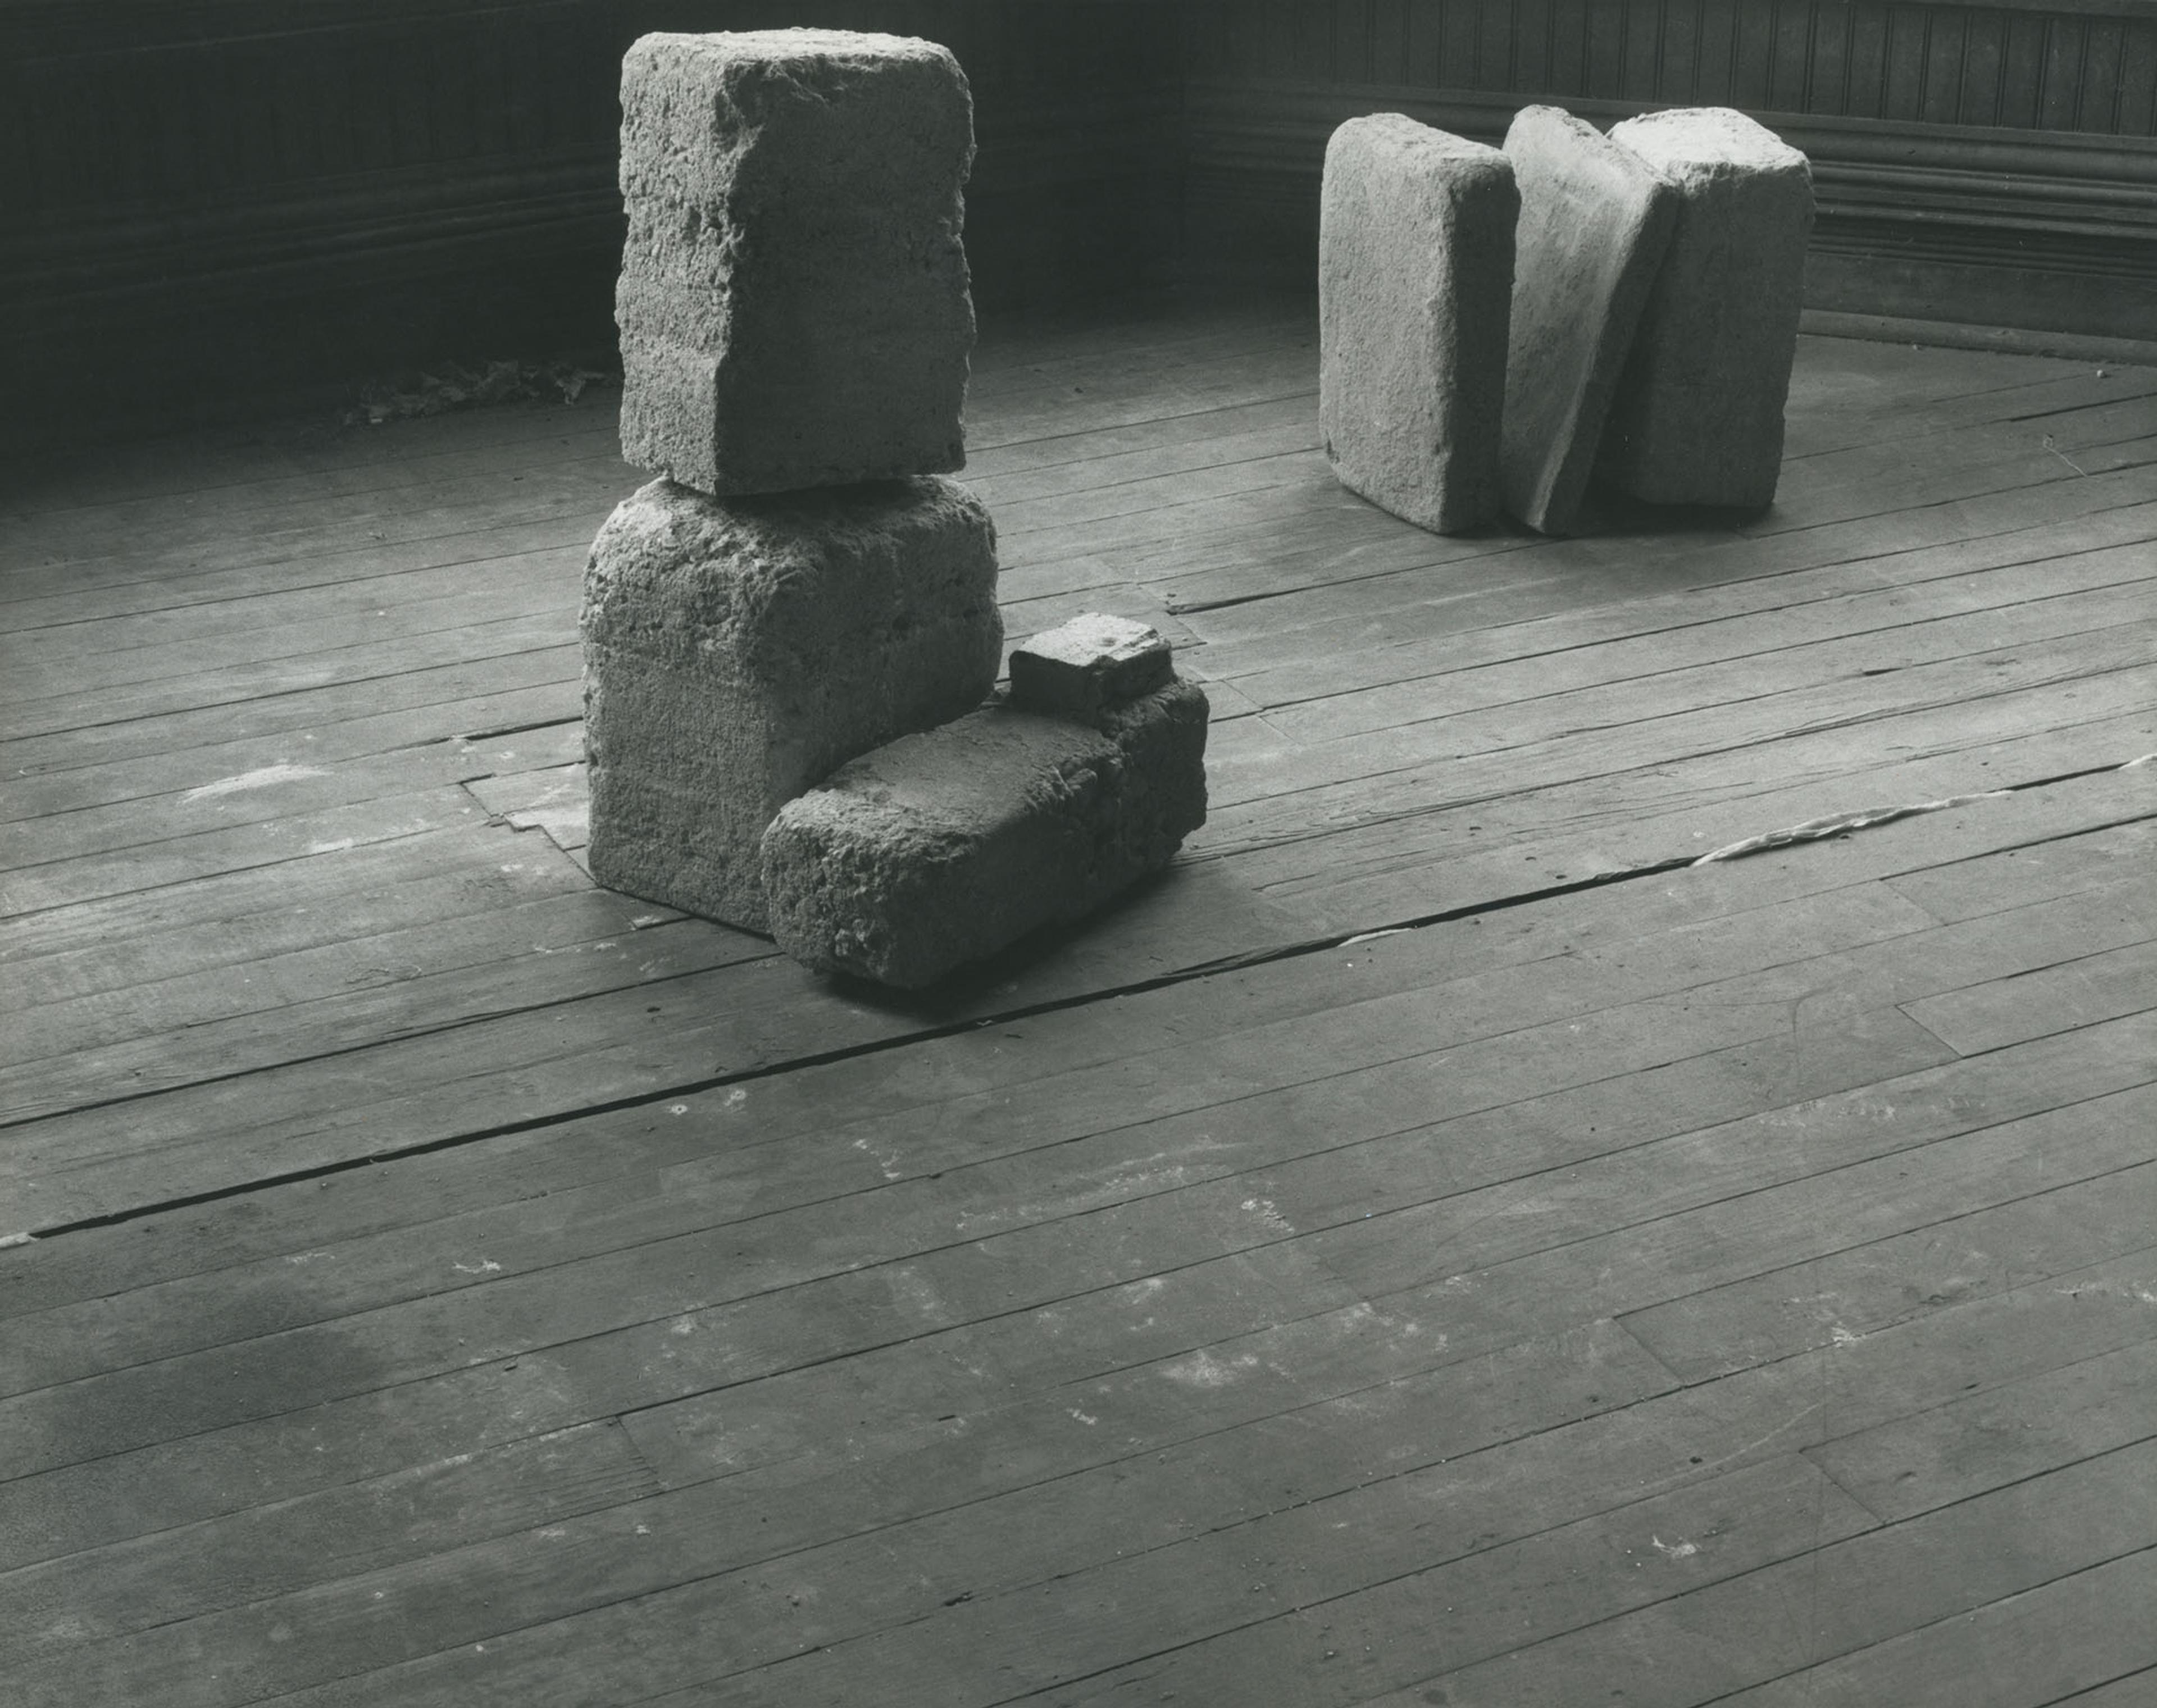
x,y
793,303
1698,414
1415,279
942,848
736,651
1595,220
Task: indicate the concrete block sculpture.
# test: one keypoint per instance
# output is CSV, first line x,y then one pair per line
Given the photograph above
x,y
1697,417
793,301
1595,220
942,848
736,651
802,597
1415,284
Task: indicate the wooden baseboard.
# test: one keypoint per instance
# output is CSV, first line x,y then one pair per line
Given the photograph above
x,y
218,205
140,320
243,197
2048,229
1954,335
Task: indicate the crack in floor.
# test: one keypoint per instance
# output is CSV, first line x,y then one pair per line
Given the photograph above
x,y
1815,830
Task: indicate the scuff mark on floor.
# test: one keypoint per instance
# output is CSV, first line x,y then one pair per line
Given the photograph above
x,y
268,777
1840,824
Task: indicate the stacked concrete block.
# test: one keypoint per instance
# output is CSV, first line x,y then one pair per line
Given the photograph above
x,y
1698,414
1415,279
1595,220
737,650
793,304
802,585
801,596
942,848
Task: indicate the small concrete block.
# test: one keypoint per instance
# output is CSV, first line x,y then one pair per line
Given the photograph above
x,y
1595,220
793,302
1092,662
1698,414
736,651
1415,281
942,848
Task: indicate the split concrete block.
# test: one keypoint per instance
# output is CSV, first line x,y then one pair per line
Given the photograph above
x,y
1415,281
1698,414
736,651
793,303
1595,220
1079,668
942,848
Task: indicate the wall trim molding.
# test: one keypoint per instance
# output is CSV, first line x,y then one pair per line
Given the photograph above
x,y
413,221
232,199
1954,335
2047,216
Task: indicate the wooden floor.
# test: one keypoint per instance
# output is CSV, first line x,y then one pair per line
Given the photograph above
x,y
1438,1246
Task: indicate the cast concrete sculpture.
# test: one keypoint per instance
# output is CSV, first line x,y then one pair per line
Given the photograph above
x,y
736,651
1595,221
793,304
941,848
1697,417
1415,281
794,315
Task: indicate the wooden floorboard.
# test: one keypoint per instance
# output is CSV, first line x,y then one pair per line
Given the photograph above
x,y
1436,1244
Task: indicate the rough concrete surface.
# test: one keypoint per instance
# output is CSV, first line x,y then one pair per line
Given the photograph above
x,y
1698,414
1415,281
942,848
737,651
1595,220
793,300
1078,668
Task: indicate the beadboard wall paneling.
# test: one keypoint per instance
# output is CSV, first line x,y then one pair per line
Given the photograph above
x,y
2087,66
1976,162
207,199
